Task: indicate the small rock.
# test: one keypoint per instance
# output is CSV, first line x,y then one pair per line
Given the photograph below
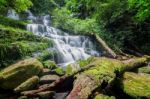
x,y
48,79
23,97
46,94
46,71
62,95
43,86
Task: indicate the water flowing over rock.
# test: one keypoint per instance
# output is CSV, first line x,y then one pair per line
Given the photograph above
x,y
68,48
12,14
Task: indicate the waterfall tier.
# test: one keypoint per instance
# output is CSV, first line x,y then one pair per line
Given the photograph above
x,y
69,48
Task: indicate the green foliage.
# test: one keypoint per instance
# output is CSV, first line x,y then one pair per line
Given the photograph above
x,y
21,5
27,48
59,71
68,70
45,55
12,23
17,43
18,5
42,7
121,23
16,50
49,64
83,63
9,35
63,20
142,8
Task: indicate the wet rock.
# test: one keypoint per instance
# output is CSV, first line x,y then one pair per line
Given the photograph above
x,y
62,95
48,79
46,71
23,97
46,94
14,75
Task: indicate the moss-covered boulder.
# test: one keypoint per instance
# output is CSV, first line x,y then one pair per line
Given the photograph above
x,y
136,85
28,84
16,74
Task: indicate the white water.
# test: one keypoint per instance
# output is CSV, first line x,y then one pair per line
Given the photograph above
x,y
69,48
12,14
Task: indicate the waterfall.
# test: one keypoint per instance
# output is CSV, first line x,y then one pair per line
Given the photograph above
x,y
12,14
69,48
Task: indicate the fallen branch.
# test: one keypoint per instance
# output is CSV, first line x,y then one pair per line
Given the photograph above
x,y
105,47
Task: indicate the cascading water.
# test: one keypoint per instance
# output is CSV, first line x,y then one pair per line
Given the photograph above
x,y
69,48
12,14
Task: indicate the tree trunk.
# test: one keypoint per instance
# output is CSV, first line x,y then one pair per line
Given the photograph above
x,y
105,47
101,75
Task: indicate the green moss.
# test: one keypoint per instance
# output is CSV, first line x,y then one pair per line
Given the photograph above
x,y
68,70
144,70
45,55
136,85
13,23
27,47
105,68
19,72
9,35
49,64
17,43
83,63
16,50
101,96
59,71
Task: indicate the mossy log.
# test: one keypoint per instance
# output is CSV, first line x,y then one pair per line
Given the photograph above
x,y
102,74
136,85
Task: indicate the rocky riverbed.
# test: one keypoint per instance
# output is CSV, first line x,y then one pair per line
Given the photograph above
x,y
27,79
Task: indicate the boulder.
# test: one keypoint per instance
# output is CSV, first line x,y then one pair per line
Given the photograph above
x,y
14,75
48,79
28,84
